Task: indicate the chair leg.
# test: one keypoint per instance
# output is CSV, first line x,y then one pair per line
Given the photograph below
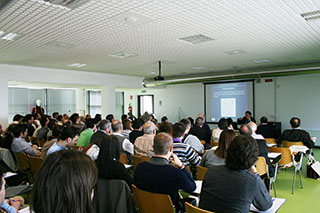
x,y
294,182
300,179
274,189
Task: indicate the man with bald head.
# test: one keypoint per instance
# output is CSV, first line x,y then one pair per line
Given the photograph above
x,y
297,134
143,145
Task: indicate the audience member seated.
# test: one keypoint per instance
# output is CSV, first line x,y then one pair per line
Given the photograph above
x,y
297,134
19,144
137,126
267,130
143,145
186,154
85,136
233,187
75,119
249,130
103,131
107,163
64,183
246,119
201,131
97,118
110,117
222,125
158,176
14,203
127,128
131,116
42,133
68,138
165,127
125,145
56,132
232,125
52,123
192,140
217,157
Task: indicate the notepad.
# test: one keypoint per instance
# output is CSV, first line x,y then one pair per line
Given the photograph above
x,y
277,203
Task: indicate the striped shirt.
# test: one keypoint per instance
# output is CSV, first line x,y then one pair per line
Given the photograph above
x,y
185,153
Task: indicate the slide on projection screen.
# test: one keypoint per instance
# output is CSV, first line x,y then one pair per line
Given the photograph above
x,y
228,99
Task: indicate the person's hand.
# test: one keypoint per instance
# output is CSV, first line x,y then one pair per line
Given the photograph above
x,y
253,169
176,161
80,148
16,203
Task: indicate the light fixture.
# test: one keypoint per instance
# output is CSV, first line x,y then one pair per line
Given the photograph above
x,y
123,55
196,39
199,68
70,4
78,65
10,36
260,61
235,52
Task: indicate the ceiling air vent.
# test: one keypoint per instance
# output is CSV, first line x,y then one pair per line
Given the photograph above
x,y
196,39
310,16
71,4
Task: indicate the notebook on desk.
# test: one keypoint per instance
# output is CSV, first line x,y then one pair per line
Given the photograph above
x,y
277,203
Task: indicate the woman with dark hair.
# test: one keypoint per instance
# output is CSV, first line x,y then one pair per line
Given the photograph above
x,y
107,163
165,127
127,128
64,183
222,125
217,157
233,187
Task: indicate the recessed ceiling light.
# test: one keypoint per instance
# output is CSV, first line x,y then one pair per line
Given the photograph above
x,y
61,44
11,36
70,4
131,18
123,55
199,68
78,65
151,73
235,52
196,39
259,61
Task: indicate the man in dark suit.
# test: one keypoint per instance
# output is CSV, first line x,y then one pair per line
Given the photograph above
x,y
267,130
202,131
296,134
103,131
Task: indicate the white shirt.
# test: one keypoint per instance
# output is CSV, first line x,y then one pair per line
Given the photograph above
x,y
126,145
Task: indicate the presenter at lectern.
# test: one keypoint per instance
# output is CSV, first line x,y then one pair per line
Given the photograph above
x,y
38,109
246,119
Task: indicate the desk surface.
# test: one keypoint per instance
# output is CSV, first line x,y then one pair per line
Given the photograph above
x,y
273,155
277,203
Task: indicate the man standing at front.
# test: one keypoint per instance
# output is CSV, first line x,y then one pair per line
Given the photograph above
x,y
158,176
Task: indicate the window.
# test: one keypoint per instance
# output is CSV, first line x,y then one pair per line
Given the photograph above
x,y
94,102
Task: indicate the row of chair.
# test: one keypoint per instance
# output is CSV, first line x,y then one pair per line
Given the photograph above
x,y
28,164
158,203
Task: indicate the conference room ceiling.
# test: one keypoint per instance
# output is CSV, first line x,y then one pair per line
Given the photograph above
x,y
189,36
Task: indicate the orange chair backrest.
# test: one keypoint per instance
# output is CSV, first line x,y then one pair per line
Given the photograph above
x,y
286,156
36,163
261,166
139,159
152,202
201,172
192,209
22,161
287,144
271,140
